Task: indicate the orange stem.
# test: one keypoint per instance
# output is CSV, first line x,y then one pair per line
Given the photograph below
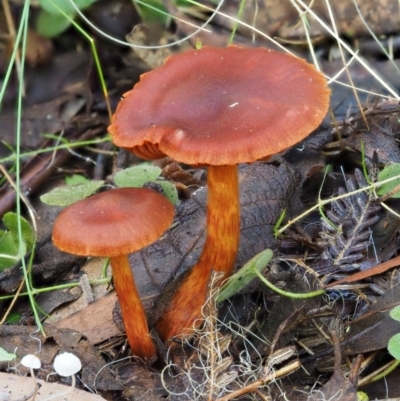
x,y
219,253
132,309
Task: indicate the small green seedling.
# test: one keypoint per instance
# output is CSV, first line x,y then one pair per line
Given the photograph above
x,y
56,16
393,347
279,223
152,10
361,396
137,176
10,250
6,356
245,275
288,294
364,164
391,170
199,44
81,187
253,269
13,318
76,179
394,342
64,196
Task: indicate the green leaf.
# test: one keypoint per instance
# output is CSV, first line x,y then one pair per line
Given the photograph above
x,y
361,396
9,240
151,10
137,176
395,313
64,196
169,190
57,7
394,346
76,179
10,220
279,222
6,356
391,170
9,252
13,317
245,275
51,25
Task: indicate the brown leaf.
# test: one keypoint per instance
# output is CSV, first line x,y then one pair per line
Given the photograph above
x,y
39,50
95,321
338,387
375,140
18,388
362,334
140,382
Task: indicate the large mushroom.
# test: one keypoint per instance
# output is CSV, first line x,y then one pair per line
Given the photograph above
x,y
113,224
218,107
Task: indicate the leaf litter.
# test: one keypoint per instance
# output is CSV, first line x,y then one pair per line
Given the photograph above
x,y
232,349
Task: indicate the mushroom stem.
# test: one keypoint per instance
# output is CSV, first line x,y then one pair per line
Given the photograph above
x,y
132,309
219,253
62,393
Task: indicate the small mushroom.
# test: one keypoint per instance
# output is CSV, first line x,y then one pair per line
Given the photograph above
x,y
218,107
66,365
32,362
113,224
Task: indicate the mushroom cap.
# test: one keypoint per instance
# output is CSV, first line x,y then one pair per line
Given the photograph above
x,y
67,364
31,361
221,106
113,223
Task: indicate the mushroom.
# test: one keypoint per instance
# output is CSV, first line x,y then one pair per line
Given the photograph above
x,y
66,365
218,107
32,362
113,224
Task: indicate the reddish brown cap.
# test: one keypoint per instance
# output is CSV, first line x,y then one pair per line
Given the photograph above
x,y
221,106
113,223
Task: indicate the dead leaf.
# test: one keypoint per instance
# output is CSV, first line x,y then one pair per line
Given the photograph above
x,y
18,388
39,50
338,387
375,140
361,336
141,383
95,321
